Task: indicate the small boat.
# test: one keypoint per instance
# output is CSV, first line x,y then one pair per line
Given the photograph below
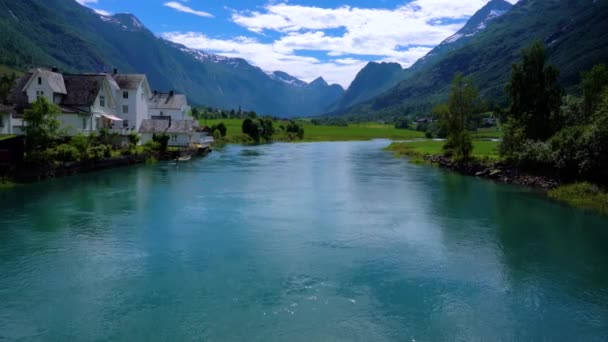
x,y
184,158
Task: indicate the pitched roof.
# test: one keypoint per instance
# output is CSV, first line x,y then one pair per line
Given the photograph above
x,y
7,109
82,89
55,80
129,81
169,126
168,101
17,96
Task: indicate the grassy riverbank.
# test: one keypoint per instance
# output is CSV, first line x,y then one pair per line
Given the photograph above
x,y
317,133
582,195
483,150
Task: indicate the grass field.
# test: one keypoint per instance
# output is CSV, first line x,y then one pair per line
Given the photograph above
x,y
482,149
6,136
363,131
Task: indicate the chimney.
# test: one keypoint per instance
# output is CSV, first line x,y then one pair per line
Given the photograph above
x,y
169,121
55,69
171,93
155,92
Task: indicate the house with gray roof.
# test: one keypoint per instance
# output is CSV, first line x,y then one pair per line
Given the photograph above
x,y
181,133
132,95
171,104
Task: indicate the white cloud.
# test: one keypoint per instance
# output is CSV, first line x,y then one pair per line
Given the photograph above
x,y
102,12
84,2
350,36
183,8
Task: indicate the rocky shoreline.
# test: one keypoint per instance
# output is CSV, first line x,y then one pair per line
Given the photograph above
x,y
498,171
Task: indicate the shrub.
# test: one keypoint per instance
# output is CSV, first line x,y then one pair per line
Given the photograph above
x,y
151,147
134,139
65,153
567,151
97,152
162,140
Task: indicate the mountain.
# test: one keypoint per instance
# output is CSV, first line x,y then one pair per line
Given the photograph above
x,y
376,78
74,38
477,23
373,79
574,31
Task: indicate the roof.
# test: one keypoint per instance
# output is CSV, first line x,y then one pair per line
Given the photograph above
x,y
55,80
129,81
168,101
82,89
6,109
17,96
168,126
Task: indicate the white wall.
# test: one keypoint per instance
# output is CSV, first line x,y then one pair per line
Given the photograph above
x,y
175,114
6,125
137,107
75,123
33,87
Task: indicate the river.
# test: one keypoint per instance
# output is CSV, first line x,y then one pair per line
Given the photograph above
x,y
297,242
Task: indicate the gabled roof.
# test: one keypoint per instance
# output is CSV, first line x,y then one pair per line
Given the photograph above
x,y
169,126
168,101
82,90
129,81
55,80
7,109
17,96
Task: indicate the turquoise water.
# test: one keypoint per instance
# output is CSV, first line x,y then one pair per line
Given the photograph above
x,y
297,242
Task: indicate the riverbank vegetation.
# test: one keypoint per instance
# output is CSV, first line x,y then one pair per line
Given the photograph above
x,y
316,132
544,131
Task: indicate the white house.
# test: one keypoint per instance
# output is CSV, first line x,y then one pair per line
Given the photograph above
x,y
132,97
6,119
181,133
87,101
163,105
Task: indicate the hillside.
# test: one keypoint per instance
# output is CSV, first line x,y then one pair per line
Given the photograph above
x,y
74,38
373,79
575,32
376,78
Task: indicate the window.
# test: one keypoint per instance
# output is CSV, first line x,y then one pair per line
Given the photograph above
x,y
102,101
1,121
125,94
39,94
125,109
125,124
161,114
39,80
84,123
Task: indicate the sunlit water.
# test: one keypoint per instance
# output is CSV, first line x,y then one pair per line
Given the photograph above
x,y
297,242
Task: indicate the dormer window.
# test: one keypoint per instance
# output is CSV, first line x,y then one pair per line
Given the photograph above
x,y
102,101
125,94
39,80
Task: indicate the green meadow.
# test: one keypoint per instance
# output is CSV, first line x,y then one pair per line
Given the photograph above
x,y
353,132
482,149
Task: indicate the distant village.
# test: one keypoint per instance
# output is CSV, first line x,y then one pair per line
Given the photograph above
x,y
91,102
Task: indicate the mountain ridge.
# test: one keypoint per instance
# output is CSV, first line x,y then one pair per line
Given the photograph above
x,y
74,38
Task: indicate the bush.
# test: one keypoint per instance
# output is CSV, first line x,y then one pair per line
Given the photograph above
x,y
134,139
97,153
65,153
151,147
162,140
402,123
567,152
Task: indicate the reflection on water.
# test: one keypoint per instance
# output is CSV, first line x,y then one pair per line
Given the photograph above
x,y
321,241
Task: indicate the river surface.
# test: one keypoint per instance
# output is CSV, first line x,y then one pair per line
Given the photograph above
x,y
297,242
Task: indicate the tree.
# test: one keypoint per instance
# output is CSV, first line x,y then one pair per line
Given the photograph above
x,y
134,139
222,128
402,123
460,107
594,82
6,84
41,124
535,95
252,129
195,113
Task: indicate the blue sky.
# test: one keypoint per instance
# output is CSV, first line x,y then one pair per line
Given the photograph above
x,y
306,38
